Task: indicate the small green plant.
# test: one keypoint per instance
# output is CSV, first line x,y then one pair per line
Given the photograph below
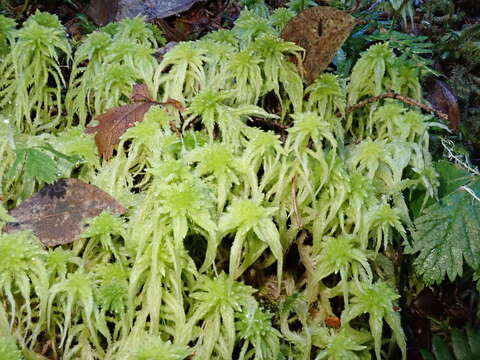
x,y
147,347
416,49
218,301
298,6
254,327
461,46
24,280
251,222
377,300
38,50
40,166
107,64
399,8
7,27
280,18
257,6
186,75
344,344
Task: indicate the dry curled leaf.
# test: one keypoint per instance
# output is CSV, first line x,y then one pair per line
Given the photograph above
x,y
57,213
140,93
115,121
442,99
321,31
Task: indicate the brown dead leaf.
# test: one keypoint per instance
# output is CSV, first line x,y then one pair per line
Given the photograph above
x,y
56,214
140,93
115,121
102,11
321,31
442,99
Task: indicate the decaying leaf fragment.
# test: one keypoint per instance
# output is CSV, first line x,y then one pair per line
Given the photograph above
x,y
115,121
439,94
56,214
104,11
321,31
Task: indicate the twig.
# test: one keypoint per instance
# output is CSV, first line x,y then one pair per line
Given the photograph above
x,y
392,95
448,146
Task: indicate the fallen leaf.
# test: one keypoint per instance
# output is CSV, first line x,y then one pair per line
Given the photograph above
x,y
442,99
321,31
57,213
102,11
195,22
152,9
115,121
140,93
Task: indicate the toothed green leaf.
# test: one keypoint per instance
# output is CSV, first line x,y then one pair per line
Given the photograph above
x,y
38,165
448,233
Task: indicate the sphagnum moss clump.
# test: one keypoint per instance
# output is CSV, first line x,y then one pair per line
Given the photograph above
x,y
212,197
